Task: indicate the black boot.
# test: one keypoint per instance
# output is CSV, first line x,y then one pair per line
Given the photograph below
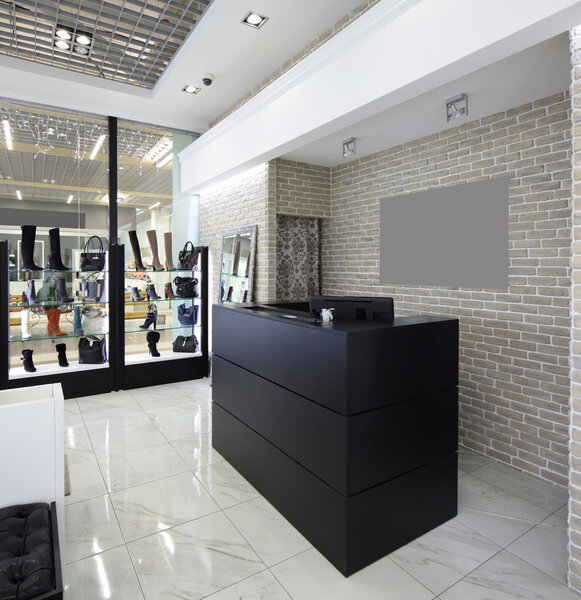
x,y
61,290
151,293
149,319
27,361
55,262
135,296
62,352
31,293
27,248
152,339
136,251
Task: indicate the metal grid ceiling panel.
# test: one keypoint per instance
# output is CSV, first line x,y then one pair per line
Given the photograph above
x,y
132,42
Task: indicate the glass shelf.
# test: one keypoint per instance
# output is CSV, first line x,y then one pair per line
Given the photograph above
x,y
57,303
70,272
145,301
36,337
149,271
163,328
237,276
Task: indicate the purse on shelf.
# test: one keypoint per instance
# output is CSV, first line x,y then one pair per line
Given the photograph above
x,y
93,289
93,260
186,344
188,257
92,351
94,320
188,315
186,287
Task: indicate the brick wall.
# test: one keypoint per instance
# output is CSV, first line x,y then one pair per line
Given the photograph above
x,y
514,345
575,430
245,200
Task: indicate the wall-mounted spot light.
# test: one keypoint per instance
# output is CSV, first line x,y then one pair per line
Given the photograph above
x,y
254,20
456,107
348,147
191,89
7,134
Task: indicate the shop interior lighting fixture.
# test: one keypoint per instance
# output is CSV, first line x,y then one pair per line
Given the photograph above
x,y
456,107
97,146
154,205
164,161
65,38
254,20
191,89
18,194
348,147
70,199
7,133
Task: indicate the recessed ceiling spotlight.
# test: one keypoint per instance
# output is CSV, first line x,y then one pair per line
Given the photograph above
x,y
81,50
64,33
254,20
83,38
62,45
191,89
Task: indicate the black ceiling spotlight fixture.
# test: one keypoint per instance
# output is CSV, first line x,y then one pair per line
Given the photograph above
x,y
254,20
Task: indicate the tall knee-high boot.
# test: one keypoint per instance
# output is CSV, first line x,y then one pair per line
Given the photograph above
x,y
168,252
53,328
27,248
77,323
31,292
24,323
55,262
136,251
152,237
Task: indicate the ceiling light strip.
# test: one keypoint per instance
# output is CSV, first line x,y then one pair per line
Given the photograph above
x,y
97,146
7,133
18,194
164,161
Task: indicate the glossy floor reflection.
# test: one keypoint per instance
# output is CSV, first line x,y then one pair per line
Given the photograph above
x,y
155,513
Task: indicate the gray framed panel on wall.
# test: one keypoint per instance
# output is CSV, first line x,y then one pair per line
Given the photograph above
x,y
454,236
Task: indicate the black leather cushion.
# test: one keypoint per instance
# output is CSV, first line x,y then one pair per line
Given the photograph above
x,y
26,561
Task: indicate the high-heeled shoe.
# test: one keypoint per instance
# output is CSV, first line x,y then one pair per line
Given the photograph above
x,y
27,361
152,339
62,355
151,293
53,328
149,319
169,291
61,291
135,296
31,293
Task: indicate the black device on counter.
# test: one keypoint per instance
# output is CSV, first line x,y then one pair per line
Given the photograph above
x,y
367,308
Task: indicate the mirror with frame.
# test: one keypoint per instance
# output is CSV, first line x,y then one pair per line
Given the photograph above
x,y
237,265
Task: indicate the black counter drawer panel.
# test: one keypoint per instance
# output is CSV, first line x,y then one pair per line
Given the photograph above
x,y
387,442
310,434
400,363
310,362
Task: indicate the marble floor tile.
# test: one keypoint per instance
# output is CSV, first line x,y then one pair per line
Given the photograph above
x,y
559,518
120,400
444,555
262,586
507,577
150,396
106,576
113,418
197,451
544,547
309,576
86,481
167,412
476,494
77,438
182,426
73,420
469,461
152,507
271,536
80,456
71,407
225,484
90,528
193,560
125,439
121,471
500,530
526,486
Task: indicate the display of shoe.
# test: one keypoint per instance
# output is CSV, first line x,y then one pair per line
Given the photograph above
x,y
135,296
27,361
136,251
25,323
53,328
151,293
77,323
168,252
62,355
31,293
27,248
54,261
152,237
152,340
150,319
169,291
61,291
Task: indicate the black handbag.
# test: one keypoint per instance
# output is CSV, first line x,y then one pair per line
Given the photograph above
x,y
186,287
93,260
92,350
93,289
188,257
186,344
188,315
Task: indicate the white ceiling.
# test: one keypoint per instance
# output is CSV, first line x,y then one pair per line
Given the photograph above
x,y
534,73
240,58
